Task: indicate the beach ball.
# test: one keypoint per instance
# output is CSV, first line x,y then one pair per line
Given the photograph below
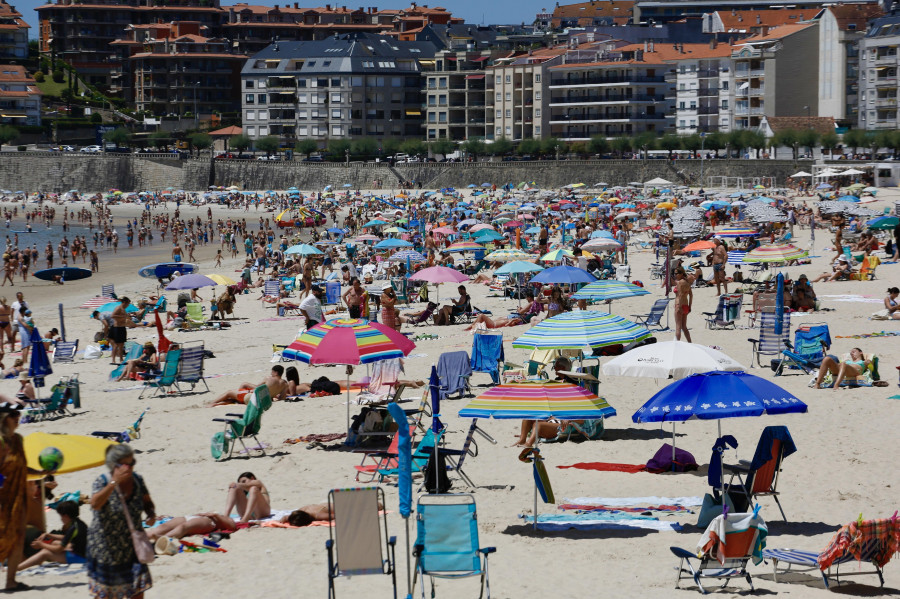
x,y
50,459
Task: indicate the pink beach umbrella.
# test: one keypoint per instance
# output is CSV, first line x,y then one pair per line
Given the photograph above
x,y
438,275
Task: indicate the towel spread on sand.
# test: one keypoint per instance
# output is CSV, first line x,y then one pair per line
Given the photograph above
x,y
863,299
55,569
556,522
636,501
631,510
320,437
608,467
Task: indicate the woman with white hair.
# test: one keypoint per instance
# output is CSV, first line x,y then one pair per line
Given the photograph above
x,y
113,567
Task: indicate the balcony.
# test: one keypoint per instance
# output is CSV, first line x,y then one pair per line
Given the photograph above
x,y
887,59
708,110
892,101
886,81
566,82
748,110
597,99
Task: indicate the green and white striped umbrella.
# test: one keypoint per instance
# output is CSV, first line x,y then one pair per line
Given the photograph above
x,y
580,328
608,290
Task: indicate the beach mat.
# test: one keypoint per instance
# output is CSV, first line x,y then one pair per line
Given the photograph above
x,y
608,467
559,522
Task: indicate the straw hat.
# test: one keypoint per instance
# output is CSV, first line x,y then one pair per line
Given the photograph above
x,y
23,376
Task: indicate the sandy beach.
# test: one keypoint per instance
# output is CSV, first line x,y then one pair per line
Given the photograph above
x,y
843,466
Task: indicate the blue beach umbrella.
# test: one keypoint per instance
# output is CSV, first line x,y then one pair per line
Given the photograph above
x,y
404,473
40,363
304,249
779,303
518,266
113,305
564,274
336,231
386,244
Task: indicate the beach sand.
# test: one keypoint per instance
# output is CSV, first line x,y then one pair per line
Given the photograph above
x,y
842,467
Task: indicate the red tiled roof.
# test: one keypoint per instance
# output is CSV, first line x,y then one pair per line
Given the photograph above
x,y
233,130
745,20
822,124
776,33
857,15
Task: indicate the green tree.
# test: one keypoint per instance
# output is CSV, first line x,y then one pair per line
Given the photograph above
x,y
829,141
551,145
645,142
306,146
414,147
881,139
239,142
734,140
364,146
118,136
475,147
159,139
579,148
670,143
268,144
390,146
8,134
96,118
201,141
528,147
755,140
855,138
715,141
809,139
442,147
893,142
337,148
500,147
693,143
620,145
598,145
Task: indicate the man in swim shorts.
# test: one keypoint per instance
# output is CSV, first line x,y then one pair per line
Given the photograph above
x,y
720,258
277,389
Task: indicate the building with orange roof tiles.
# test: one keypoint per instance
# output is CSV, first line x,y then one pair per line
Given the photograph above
x,y
592,13
20,98
751,22
13,33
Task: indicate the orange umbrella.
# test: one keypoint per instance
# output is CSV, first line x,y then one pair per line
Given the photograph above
x,y
699,245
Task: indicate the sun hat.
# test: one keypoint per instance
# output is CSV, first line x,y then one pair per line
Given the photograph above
x,y
386,286
23,376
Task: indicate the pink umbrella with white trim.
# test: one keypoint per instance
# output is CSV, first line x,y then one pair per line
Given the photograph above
x,y
438,275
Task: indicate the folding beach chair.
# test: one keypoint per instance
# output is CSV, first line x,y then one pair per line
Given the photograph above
x,y
65,352
166,379
420,455
108,290
358,542
194,318
724,549
654,318
130,434
727,313
760,476
65,392
271,292
426,317
447,544
811,341
456,457
454,370
866,269
242,426
765,302
190,367
288,284
487,354
375,460
400,289
769,343
872,541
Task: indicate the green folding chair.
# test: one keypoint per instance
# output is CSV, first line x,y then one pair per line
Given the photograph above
x,y
165,383
241,426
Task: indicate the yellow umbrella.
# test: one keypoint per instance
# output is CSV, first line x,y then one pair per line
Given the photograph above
x,y
222,279
79,452
666,206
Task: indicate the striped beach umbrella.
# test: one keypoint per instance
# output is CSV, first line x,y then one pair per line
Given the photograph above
x,y
737,232
557,255
348,341
508,255
736,257
580,328
404,255
464,246
775,253
608,290
538,400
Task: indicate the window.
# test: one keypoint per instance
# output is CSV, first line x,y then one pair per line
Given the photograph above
x,y
263,115
368,64
302,130
537,96
336,130
261,98
312,63
442,117
301,82
251,131
499,113
263,131
261,84
537,77
682,87
314,113
442,82
498,80
681,106
301,98
396,81
432,117
301,114
499,130
336,97
499,97
432,83
251,115
509,78
537,113
432,134
508,97
693,105
432,100
508,113
326,63
724,104
335,113
508,130
250,99
724,85
249,83
537,129
335,82
442,100
314,130
681,123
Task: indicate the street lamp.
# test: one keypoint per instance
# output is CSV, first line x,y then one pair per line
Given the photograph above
x,y
196,114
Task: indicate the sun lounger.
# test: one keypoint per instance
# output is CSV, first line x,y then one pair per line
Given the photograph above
x,y
65,352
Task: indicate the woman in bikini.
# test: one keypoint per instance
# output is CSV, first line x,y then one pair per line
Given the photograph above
x,y
6,319
852,367
557,303
251,498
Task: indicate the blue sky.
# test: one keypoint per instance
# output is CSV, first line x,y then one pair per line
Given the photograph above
x,y
473,11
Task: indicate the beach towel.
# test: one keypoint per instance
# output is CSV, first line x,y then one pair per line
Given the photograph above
x,y
695,501
452,369
715,537
385,374
320,437
623,509
854,537
608,467
557,522
487,353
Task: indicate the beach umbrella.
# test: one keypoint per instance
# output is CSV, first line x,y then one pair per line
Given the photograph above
x,y
737,232
801,174
222,279
39,367
303,249
601,244
386,244
883,223
848,199
602,233
115,304
518,266
404,255
699,246
669,359
775,253
349,341
564,274
337,231
79,452
364,238
737,257
508,255
579,329
464,246
480,227
375,223
439,274
487,235
557,255
666,206
608,290
192,281
538,400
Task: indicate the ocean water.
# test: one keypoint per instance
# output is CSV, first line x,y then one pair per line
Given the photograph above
x,y
41,235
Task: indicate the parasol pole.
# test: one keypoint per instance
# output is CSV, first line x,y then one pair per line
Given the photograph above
x,y
537,441
62,323
349,372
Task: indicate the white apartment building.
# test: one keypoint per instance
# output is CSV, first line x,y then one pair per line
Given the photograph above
x,y
701,89
517,93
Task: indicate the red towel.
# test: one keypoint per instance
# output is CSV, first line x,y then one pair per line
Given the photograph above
x,y
608,467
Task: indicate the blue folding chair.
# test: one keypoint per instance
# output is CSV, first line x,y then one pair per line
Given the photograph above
x,y
447,544
811,341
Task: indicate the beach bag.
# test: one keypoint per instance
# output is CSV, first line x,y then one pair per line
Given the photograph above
x,y
712,507
436,479
92,352
883,314
662,460
143,548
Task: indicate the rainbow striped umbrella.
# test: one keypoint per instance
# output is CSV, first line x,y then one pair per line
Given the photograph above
x,y
738,232
348,341
557,255
507,255
464,246
775,253
580,328
538,400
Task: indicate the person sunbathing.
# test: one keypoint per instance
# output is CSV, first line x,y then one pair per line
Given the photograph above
x,y
185,526
852,367
146,362
250,496
523,315
549,429
841,270
317,512
277,389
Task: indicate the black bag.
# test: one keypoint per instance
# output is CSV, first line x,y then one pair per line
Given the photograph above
x,y
436,479
324,384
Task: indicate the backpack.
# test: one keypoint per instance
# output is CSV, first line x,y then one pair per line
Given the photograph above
x,y
662,461
436,479
326,385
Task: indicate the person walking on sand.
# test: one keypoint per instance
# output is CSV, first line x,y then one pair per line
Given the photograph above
x,y
117,333
250,496
354,298
720,258
684,299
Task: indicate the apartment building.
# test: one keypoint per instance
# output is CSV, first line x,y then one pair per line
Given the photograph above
x,y
878,65
517,94
13,33
622,93
348,86
776,74
700,86
20,99
752,22
666,11
592,13
174,69
455,96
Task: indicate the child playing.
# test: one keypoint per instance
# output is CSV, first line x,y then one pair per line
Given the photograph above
x,y
218,258
70,547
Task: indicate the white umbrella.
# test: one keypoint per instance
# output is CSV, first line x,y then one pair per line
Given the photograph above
x,y
852,171
658,181
676,359
801,174
599,244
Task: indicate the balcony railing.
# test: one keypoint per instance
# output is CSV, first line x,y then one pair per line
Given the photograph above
x,y
607,98
611,79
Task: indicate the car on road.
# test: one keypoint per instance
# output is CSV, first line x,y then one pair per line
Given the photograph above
x,y
62,148
314,159
91,149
